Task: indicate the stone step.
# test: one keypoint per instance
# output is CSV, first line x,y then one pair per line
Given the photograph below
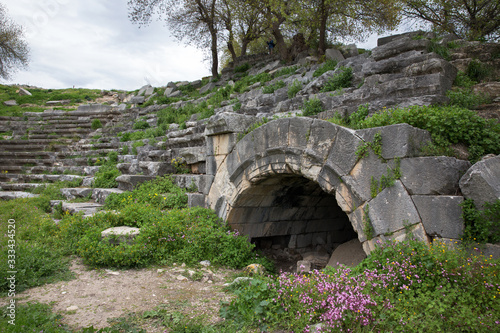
x,y
61,131
26,161
193,140
130,182
19,186
9,172
38,178
10,195
87,208
47,147
22,154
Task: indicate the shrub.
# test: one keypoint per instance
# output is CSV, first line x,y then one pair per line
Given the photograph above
x,y
341,79
141,124
447,125
481,226
294,88
312,107
242,68
286,71
329,65
106,176
477,71
96,123
135,145
270,89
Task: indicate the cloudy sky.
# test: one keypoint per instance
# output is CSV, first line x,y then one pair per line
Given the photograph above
x,y
92,44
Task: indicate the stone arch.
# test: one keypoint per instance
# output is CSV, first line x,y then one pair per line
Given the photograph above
x,y
318,153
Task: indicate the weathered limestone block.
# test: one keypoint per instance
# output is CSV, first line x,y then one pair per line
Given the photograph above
x,y
368,170
431,66
196,200
100,194
441,215
342,157
399,140
73,193
88,208
399,46
24,92
432,175
208,87
119,235
228,123
10,103
137,100
482,181
392,209
193,155
129,182
201,182
92,109
350,253
385,40
5,195
156,168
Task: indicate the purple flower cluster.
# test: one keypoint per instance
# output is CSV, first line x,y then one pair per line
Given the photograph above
x,y
336,301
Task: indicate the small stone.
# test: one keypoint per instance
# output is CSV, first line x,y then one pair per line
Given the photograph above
x,y
254,269
160,270
72,308
181,278
205,263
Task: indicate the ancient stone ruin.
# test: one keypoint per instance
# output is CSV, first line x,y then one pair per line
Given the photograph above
x,y
294,183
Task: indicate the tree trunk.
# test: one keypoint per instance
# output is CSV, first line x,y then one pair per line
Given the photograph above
x,y
230,46
280,41
244,46
215,56
322,29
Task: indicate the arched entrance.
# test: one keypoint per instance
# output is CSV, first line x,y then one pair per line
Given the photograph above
x,y
299,182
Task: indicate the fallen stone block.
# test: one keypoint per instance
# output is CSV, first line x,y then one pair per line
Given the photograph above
x,y
119,235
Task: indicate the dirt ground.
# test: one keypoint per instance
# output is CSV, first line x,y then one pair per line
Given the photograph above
x,y
98,295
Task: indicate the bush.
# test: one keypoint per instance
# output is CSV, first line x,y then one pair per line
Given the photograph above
x,y
294,88
481,226
242,68
106,176
329,65
96,123
407,286
447,125
141,124
477,71
312,107
270,89
341,79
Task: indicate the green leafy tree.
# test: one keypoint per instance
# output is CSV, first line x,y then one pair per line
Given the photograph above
x,y
14,51
468,19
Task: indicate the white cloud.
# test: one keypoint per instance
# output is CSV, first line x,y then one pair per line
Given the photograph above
x,y
92,44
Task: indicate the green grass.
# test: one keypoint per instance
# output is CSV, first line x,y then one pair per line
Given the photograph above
x,y
40,97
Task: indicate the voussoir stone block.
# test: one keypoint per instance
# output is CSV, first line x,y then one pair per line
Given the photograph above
x,y
482,181
432,175
441,215
392,209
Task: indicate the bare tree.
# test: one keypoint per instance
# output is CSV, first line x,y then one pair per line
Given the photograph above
x,y
14,51
468,19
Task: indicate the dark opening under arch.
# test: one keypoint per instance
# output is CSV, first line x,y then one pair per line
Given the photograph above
x,y
289,211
